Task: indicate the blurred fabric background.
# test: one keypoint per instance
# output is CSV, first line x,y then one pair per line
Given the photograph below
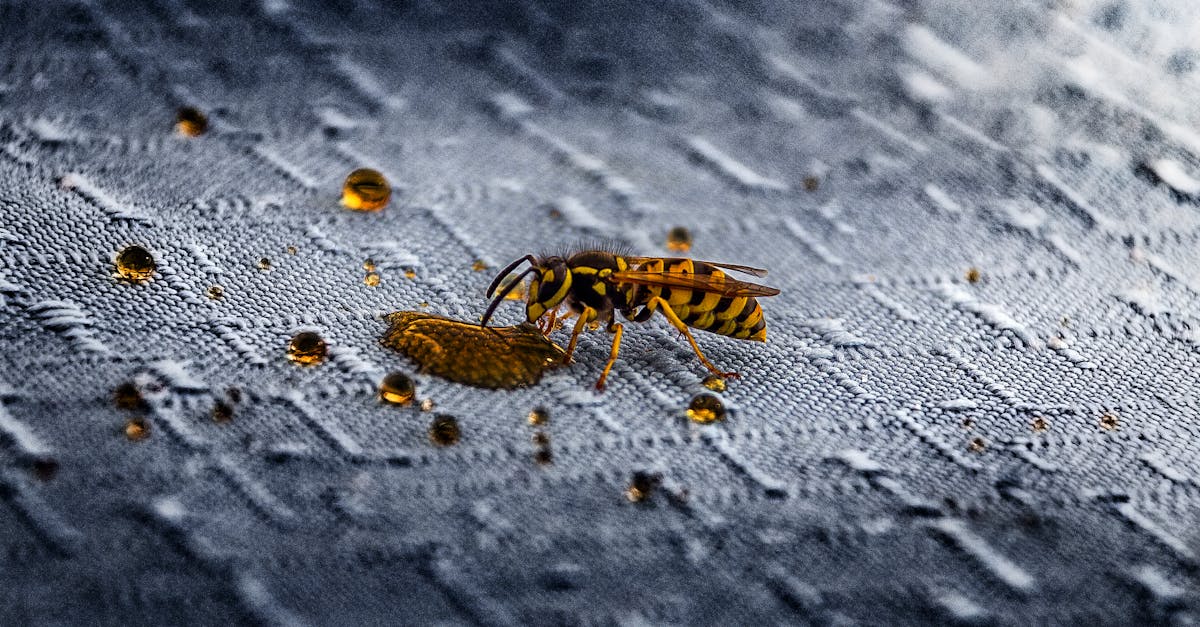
x,y
977,402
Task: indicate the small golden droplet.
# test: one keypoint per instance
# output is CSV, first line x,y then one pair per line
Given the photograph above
x,y
291,250
541,438
444,430
555,213
973,275
397,388
679,239
706,408
222,412
714,382
479,265
539,416
45,468
428,404
594,325
307,348
642,486
135,263
543,457
369,265
968,423
190,122
977,445
423,303
264,264
215,292
811,183
127,396
371,279
137,429
1109,422
366,190
1040,425
410,274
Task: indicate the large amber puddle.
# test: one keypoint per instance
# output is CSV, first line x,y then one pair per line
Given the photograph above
x,y
492,357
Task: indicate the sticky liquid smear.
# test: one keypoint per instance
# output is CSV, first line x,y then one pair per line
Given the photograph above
x,y
366,190
492,357
135,263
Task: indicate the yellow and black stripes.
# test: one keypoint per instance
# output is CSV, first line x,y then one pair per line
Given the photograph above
x,y
738,317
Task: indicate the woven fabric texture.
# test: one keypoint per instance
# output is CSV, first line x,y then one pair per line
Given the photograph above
x,y
977,402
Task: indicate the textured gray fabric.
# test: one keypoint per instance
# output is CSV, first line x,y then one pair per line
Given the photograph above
x,y
880,462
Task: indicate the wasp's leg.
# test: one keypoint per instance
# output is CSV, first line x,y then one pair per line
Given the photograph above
x,y
662,305
617,329
550,320
587,315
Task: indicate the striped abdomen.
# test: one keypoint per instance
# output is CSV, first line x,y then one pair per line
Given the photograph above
x,y
737,317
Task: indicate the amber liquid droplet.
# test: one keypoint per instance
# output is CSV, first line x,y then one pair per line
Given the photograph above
x,y
127,396
397,388
264,264
539,416
541,438
444,430
137,429
410,274
190,122
428,405
215,292
679,239
45,468
479,265
714,382
307,349
706,408
366,190
135,263
291,250
372,279
1109,422
1040,425
222,412
369,265
642,486
977,445
973,275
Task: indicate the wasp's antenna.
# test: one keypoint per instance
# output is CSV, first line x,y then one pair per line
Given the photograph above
x,y
503,273
487,315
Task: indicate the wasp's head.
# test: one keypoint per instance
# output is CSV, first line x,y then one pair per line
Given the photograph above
x,y
551,284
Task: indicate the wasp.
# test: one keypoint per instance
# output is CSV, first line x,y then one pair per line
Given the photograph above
x,y
596,284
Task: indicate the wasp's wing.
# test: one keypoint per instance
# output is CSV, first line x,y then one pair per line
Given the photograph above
x,y
724,266
707,283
